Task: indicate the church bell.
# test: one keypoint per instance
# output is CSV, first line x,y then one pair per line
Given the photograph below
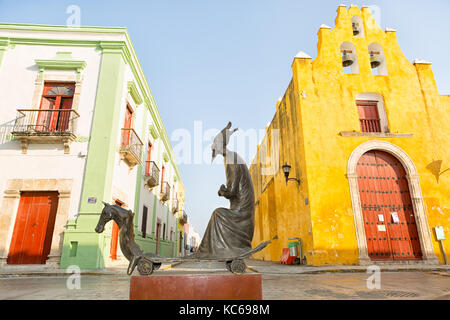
x,y
355,29
346,59
374,61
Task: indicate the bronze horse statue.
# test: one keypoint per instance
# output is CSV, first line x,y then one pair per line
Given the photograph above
x,y
147,262
229,234
130,249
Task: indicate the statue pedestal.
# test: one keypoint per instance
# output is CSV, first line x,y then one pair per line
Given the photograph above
x,y
196,287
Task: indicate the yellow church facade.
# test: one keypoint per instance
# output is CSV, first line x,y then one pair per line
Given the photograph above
x,y
367,136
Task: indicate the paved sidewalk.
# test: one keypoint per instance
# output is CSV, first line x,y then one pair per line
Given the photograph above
x,y
264,267
271,267
37,270
330,286
285,282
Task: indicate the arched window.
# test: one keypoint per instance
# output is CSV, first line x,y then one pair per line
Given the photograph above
x,y
357,26
377,60
349,59
371,111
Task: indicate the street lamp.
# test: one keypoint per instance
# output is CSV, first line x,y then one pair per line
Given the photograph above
x,y
286,170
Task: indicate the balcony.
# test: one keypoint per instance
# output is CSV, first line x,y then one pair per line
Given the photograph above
x,y
165,191
45,126
131,147
175,205
183,217
151,174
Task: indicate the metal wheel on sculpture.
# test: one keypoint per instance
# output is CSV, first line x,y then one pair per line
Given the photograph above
x,y
145,267
237,266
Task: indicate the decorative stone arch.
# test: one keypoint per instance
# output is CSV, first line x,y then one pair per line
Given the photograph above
x,y
415,193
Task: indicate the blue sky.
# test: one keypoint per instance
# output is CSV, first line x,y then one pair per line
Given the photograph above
x,y
215,61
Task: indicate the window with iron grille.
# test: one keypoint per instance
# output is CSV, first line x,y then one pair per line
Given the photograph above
x,y
369,118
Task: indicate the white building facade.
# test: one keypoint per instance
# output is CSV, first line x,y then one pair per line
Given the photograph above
x,y
78,126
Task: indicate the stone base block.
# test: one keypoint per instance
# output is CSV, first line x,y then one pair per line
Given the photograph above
x,y
197,287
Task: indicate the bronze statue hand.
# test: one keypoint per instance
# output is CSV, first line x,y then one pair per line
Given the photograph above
x,y
222,191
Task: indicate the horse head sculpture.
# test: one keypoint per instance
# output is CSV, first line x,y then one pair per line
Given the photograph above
x,y
124,219
107,215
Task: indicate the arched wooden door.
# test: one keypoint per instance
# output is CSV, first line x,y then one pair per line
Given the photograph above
x,y
56,96
388,214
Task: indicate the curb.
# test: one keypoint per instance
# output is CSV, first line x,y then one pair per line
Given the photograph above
x,y
440,271
55,274
170,266
18,273
252,269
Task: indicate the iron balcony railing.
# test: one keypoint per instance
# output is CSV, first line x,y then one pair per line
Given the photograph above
x,y
175,205
131,143
151,174
370,125
183,217
45,121
165,191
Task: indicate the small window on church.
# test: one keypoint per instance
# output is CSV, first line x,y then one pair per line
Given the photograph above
x,y
369,118
371,112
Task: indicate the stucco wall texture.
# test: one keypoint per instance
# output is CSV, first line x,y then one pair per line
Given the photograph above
x,y
317,107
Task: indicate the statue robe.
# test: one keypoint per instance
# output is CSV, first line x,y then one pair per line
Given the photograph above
x,y
230,231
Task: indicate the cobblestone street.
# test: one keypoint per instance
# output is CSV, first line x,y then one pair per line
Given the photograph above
x,y
394,285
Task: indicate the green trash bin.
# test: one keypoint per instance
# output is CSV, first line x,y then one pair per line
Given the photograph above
x,y
293,248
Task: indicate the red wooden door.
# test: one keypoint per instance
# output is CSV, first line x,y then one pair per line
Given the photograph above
x,y
33,229
149,158
128,117
127,125
63,116
56,96
368,116
162,177
384,195
44,118
114,236
114,241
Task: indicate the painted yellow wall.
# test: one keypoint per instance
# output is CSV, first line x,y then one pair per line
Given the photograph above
x,y
180,226
310,125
